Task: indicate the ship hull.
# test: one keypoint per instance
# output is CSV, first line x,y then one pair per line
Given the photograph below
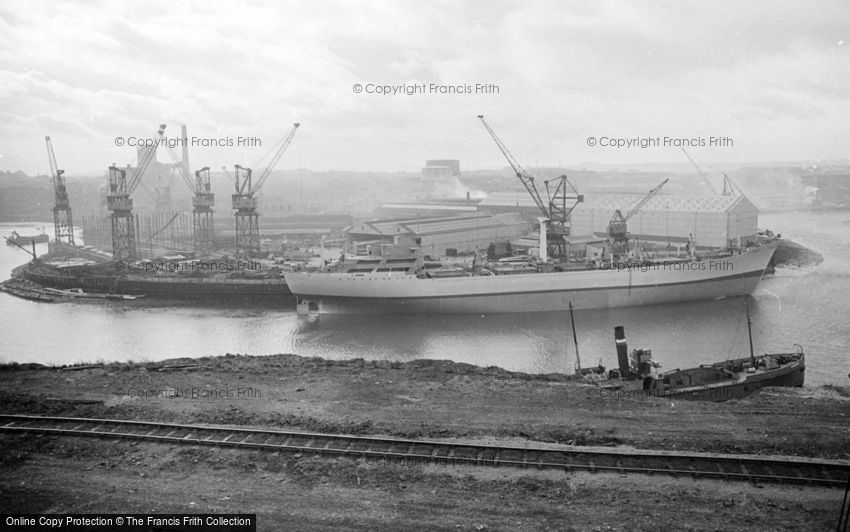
x,y
792,375
343,293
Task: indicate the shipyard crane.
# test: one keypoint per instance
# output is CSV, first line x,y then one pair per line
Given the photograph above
x,y
555,211
244,201
118,201
63,223
699,171
618,228
203,201
730,188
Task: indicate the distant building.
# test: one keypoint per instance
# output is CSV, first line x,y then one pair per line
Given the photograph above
x,y
439,169
305,225
435,236
428,209
519,202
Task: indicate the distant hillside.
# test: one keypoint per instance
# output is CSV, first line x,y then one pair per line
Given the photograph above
x,y
30,199
288,192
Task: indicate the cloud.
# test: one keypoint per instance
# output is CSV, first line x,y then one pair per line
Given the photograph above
x,y
773,76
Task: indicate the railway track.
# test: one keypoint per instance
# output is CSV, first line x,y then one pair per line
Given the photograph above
x,y
796,470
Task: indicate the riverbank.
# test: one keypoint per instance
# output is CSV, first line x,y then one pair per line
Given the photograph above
x,y
420,399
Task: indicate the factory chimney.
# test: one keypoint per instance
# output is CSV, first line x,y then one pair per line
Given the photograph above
x,y
185,141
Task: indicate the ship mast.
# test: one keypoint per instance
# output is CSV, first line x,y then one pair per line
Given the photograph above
x,y
750,332
575,340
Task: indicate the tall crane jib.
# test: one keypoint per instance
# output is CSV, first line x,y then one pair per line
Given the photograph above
x,y
63,221
559,202
203,201
119,202
244,202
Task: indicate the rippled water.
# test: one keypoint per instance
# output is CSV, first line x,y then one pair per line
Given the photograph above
x,y
807,306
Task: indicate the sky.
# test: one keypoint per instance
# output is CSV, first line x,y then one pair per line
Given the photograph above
x,y
771,77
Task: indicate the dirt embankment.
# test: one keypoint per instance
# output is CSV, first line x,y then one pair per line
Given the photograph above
x,y
431,398
426,398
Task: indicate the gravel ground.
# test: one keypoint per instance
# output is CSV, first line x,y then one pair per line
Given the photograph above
x,y
428,399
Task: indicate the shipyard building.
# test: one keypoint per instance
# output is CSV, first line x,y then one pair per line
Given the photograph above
x,y
426,209
713,221
439,169
436,236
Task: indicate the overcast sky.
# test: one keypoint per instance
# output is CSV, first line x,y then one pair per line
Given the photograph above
x,y
772,76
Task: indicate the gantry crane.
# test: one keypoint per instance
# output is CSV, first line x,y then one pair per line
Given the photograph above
x,y
556,210
63,223
203,201
618,228
245,203
118,201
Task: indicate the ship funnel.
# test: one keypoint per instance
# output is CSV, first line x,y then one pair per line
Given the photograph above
x,y
622,350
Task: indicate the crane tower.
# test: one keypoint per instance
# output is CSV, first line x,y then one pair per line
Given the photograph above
x,y
203,199
555,222
118,200
244,202
63,223
618,228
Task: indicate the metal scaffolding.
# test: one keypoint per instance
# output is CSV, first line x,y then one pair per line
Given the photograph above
x,y
155,233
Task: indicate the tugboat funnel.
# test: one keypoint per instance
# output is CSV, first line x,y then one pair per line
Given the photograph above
x,y
622,350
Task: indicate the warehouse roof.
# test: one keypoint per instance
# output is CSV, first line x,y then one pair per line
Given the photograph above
x,y
428,226
508,199
429,206
624,202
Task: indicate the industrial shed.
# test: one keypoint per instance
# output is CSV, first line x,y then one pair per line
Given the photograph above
x,y
502,202
714,221
436,236
425,210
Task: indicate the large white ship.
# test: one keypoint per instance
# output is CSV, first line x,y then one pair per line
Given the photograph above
x,y
371,290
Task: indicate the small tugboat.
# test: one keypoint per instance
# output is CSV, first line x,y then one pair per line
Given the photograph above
x,y
25,240
720,381
638,376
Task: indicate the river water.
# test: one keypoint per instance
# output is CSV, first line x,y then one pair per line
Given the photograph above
x,y
809,306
